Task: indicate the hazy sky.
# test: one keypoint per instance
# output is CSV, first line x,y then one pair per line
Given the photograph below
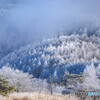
x,y
36,19
49,16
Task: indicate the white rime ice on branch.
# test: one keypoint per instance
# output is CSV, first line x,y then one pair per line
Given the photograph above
x,y
91,80
64,49
21,81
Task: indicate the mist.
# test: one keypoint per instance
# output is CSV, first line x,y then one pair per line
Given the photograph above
x,y
34,20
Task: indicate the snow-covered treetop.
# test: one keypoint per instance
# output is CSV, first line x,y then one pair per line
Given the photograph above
x,y
59,51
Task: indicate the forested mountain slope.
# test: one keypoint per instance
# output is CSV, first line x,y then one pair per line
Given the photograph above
x,y
56,55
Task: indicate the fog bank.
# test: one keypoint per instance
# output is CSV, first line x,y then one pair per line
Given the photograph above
x,y
33,20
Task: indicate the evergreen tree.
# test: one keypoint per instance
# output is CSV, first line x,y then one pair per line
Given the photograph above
x,y
20,80
4,87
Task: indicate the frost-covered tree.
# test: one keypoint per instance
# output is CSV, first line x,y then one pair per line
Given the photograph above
x,y
91,80
51,84
40,85
98,70
21,81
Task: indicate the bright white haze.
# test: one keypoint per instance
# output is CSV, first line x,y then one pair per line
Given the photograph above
x,y
33,20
